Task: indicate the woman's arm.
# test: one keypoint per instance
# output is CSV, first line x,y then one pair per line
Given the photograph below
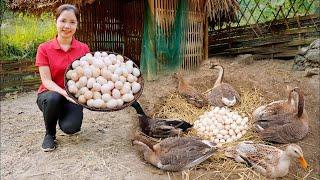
x,y
46,79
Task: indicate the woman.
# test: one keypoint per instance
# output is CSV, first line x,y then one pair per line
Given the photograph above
x,y
52,58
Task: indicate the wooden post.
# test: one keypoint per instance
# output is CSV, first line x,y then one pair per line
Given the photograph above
x,y
206,38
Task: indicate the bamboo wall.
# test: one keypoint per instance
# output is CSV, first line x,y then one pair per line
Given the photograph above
x,y
192,46
113,26
256,31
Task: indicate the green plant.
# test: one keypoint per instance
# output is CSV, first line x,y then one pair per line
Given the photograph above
x,y
21,34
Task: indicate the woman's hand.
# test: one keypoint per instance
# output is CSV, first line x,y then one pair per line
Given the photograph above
x,y
45,75
65,94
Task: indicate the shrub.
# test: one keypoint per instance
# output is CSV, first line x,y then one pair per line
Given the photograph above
x,y
21,35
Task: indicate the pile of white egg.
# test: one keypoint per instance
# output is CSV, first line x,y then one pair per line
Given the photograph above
x,y
103,80
221,125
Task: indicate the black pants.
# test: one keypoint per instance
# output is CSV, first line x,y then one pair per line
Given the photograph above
x,y
56,108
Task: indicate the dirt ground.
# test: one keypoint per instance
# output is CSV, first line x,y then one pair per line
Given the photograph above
x,y
103,150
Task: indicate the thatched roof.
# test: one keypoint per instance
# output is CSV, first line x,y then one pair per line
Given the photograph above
x,y
217,10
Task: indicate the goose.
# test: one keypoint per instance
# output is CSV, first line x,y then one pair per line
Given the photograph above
x,y
174,153
160,128
267,160
284,121
188,92
222,94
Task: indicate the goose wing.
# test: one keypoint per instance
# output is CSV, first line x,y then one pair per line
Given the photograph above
x,y
288,133
185,155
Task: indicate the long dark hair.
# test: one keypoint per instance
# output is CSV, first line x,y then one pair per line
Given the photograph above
x,y
67,7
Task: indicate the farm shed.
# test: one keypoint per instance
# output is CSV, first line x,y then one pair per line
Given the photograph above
x,y
157,34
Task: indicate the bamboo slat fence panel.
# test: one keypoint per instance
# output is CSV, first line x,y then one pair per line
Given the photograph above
x,y
267,30
113,26
18,76
192,50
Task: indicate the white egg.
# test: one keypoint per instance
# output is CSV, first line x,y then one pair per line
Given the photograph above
x,y
233,126
95,71
105,89
87,72
231,132
239,136
82,99
243,132
223,132
112,103
122,79
101,80
96,95
83,90
120,58
222,140
90,102
118,85
96,86
105,73
111,84
106,97
127,97
237,130
227,127
135,87
107,61
136,72
83,81
115,78
125,90
90,82
116,93
98,63
75,64
73,89
74,76
97,54
220,126
125,72
216,141
119,102
227,136
71,82
97,103
130,78
111,68
88,95
127,84
118,71
229,140
219,136
104,54
129,63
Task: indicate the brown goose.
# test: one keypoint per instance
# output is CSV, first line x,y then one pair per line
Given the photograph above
x,y
174,153
191,95
267,160
222,94
283,121
160,128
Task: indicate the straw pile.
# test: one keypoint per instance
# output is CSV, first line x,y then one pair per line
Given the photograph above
x,y
218,166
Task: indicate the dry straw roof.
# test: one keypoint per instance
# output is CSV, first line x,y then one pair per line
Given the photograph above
x,y
220,10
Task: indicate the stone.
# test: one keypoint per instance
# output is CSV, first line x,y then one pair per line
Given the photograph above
x,y
299,63
313,55
303,51
315,44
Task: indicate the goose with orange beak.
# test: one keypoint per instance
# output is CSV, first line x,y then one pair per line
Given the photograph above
x,y
267,160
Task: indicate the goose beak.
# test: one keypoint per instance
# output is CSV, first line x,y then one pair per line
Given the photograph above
x,y
303,162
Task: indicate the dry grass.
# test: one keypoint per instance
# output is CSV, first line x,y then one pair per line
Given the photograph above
x,y
173,106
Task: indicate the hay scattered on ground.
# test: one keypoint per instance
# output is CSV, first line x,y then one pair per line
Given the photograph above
x,y
174,106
